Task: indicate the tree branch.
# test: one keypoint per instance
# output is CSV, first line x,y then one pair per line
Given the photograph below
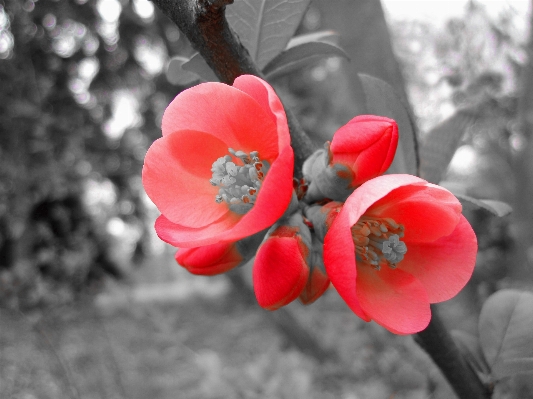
x,y
441,347
205,25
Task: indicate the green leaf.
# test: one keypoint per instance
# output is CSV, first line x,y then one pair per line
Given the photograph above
x,y
496,208
382,100
506,332
198,66
441,142
177,75
468,345
323,36
300,56
265,26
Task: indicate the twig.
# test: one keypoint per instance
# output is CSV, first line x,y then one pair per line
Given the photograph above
x,y
439,345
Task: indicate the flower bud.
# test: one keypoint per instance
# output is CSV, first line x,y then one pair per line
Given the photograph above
x,y
281,270
360,150
220,257
318,281
322,216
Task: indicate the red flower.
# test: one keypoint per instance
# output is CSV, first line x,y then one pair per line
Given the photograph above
x,y
281,270
360,150
398,244
223,168
220,257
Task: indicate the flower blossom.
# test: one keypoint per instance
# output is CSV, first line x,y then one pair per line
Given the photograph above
x,y
397,245
223,168
219,257
359,151
281,266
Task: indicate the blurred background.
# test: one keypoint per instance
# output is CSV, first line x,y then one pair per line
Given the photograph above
x,y
92,303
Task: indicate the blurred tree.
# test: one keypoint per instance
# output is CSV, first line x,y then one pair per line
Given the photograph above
x,y
81,97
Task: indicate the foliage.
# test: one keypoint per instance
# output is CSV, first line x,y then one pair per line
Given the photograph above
x,y
79,80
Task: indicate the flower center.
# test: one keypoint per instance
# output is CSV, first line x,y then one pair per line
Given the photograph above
x,y
377,241
239,184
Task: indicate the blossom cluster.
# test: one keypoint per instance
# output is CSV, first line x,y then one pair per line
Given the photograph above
x,y
222,177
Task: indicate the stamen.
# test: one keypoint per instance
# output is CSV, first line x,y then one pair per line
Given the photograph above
x,y
377,242
239,184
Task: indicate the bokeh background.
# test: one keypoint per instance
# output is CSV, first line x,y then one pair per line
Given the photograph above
x,y
93,305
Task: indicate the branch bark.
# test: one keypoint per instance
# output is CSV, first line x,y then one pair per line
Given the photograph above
x,y
205,25
441,347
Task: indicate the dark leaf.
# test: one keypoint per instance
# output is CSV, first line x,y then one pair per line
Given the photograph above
x,y
300,56
506,332
265,26
469,346
496,208
176,75
198,66
323,36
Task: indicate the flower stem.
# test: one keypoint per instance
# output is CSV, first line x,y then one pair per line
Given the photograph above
x,y
439,345
205,25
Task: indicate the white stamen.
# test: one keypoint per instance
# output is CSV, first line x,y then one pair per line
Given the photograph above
x,y
239,185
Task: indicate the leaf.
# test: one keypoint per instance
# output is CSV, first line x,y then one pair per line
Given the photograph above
x,y
441,142
198,66
496,208
468,345
382,100
265,26
300,56
506,332
177,75
323,36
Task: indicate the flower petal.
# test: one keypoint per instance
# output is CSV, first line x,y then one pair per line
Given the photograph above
x,y
339,259
394,299
280,272
427,212
176,177
273,199
190,237
443,266
211,259
226,113
367,145
265,95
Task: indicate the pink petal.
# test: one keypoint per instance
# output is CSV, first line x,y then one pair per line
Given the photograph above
x,y
427,212
226,113
265,95
211,259
443,266
361,133
394,299
176,177
274,196
273,199
339,259
279,273
190,237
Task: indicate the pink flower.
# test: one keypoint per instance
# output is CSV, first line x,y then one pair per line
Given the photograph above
x,y
360,150
220,257
223,168
281,269
398,244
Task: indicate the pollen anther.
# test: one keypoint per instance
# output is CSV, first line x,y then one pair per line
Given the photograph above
x,y
377,242
239,184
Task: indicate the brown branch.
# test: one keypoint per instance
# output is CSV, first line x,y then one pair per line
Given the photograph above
x,y
205,25
441,347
